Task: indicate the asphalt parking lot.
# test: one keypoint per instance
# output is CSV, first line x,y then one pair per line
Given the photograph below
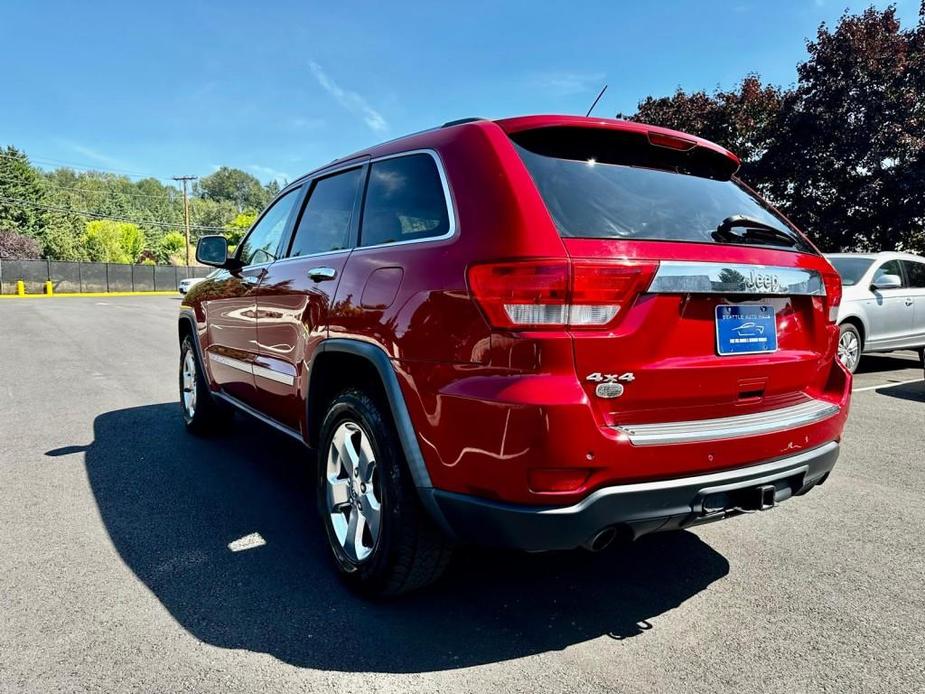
x,y
116,572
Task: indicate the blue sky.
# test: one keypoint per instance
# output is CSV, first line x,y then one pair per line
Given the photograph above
x,y
279,88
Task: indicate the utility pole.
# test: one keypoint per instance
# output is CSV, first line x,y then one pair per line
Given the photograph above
x,y
184,180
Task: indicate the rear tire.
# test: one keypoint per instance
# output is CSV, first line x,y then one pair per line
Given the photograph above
x,y
382,540
849,346
201,412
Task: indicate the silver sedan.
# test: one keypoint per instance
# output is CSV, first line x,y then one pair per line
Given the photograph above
x,y
883,304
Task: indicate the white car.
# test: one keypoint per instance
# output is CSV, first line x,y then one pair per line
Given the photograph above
x,y
883,304
186,284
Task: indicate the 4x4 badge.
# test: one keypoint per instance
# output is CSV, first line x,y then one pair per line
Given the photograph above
x,y
609,386
598,377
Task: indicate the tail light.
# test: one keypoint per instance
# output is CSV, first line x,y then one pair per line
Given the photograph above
x,y
832,282
557,293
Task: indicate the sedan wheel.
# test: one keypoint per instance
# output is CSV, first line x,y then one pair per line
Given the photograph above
x,y
352,491
849,349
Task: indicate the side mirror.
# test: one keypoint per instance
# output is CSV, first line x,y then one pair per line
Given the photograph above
x,y
212,250
887,282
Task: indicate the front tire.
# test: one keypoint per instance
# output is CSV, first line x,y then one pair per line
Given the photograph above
x,y
201,413
849,346
382,540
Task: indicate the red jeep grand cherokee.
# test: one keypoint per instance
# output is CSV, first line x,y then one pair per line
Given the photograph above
x,y
541,332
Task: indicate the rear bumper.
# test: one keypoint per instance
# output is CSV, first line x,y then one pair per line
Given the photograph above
x,y
634,509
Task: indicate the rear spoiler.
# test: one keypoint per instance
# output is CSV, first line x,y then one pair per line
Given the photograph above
x,y
621,142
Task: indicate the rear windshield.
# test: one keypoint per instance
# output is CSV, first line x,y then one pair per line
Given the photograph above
x,y
591,198
851,270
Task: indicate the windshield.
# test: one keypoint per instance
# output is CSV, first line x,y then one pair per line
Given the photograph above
x,y
590,199
851,270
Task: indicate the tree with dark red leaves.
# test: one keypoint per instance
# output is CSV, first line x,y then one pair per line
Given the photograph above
x,y
842,153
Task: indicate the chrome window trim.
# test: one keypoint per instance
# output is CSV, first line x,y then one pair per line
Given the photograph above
x,y
447,199
290,258
738,426
690,277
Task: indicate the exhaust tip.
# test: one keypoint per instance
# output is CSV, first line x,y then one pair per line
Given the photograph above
x,y
601,540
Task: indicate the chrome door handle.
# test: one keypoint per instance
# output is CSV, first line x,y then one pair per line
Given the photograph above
x,y
909,301
320,274
251,279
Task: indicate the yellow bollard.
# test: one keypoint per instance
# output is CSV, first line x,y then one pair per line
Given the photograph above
x,y
49,288
20,288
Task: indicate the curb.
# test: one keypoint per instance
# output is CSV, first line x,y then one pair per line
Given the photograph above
x,y
86,294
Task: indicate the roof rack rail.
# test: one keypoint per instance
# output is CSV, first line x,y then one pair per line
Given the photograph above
x,y
450,124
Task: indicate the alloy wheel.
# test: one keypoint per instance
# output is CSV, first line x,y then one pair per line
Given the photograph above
x,y
353,491
849,350
189,384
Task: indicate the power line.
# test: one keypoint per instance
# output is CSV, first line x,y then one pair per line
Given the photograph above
x,y
94,215
86,167
103,192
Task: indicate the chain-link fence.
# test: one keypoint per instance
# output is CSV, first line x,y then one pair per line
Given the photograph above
x,y
93,277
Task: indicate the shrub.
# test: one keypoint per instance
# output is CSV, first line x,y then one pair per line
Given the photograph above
x,y
17,246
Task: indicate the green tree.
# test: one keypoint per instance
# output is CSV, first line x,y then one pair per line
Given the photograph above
x,y
22,194
235,186
237,227
172,246
113,242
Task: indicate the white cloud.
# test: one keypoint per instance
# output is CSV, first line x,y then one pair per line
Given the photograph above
x,y
351,101
95,155
300,123
566,83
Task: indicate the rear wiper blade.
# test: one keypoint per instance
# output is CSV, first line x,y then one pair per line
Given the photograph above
x,y
754,230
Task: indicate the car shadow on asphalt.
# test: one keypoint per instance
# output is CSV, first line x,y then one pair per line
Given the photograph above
x,y
172,503
878,363
905,391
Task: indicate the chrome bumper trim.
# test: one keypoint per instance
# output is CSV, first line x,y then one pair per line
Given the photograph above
x,y
730,479
728,427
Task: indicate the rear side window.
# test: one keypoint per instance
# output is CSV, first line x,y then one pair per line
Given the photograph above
x,y
607,186
325,222
915,273
404,201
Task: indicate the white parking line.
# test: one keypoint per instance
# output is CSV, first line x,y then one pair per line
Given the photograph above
x,y
886,385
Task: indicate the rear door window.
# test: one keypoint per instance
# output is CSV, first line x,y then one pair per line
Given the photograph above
x,y
915,273
325,222
405,201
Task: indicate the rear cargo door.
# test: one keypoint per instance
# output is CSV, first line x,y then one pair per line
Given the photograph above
x,y
732,314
